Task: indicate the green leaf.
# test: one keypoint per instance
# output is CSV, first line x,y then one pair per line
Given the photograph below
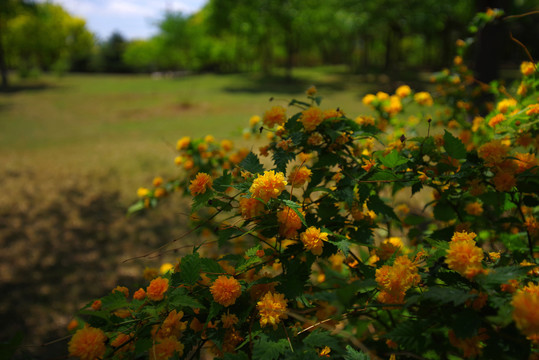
x,y
281,158
443,211
240,355
114,301
190,269
139,205
210,265
414,219
178,299
142,345
269,350
466,323
411,335
502,275
252,164
454,147
379,207
201,200
384,175
353,354
223,182
318,337
446,295
391,160
215,309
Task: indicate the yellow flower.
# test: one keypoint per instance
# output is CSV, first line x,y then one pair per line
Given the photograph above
x,y
120,340
272,309
527,68
423,98
324,352
368,165
311,118
368,99
157,289
496,119
533,109
96,305
395,280
333,113
250,208
381,96
311,91
183,143
268,186
150,273
142,192
225,290
525,303
289,222
229,320
390,246
88,343
275,116
525,161
166,348
299,176
157,181
394,106
463,256
505,105
121,289
474,208
200,184
403,91
313,239
365,120
493,152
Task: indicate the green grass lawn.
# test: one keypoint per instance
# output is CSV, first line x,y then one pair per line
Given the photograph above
x,y
128,124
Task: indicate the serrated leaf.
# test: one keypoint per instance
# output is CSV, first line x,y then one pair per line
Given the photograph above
x,y
391,160
113,301
281,158
269,350
201,200
252,164
453,146
190,269
502,275
466,323
223,182
210,265
444,212
353,354
177,299
318,337
446,295
379,207
414,219
411,335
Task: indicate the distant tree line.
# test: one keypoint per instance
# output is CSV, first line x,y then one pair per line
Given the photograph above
x,y
257,35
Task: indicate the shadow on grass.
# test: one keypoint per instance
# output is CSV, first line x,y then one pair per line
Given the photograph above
x,y
17,88
65,249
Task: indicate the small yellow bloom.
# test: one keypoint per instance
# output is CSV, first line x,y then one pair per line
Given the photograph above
x,y
274,116
268,186
200,184
527,68
225,290
463,256
403,91
423,98
157,289
313,239
183,143
272,309
142,192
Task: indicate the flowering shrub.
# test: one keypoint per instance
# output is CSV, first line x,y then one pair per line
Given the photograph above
x,y
413,236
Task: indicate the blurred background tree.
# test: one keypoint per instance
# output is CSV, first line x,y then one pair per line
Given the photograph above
x,y
265,36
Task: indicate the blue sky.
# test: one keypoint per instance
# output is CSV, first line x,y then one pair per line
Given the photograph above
x,y
132,18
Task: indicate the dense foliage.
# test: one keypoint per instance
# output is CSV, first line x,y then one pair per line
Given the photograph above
x,y
410,233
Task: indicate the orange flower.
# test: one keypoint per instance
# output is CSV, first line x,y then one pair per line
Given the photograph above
x,y
268,186
225,290
493,152
525,162
166,348
120,340
289,222
183,143
121,289
533,110
394,281
88,343
157,289
229,320
171,326
272,308
313,239
527,68
471,347
299,176
525,303
463,256
505,105
311,118
140,294
504,181
474,208
96,305
200,184
368,165
496,119
73,324
275,116
250,207
423,98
